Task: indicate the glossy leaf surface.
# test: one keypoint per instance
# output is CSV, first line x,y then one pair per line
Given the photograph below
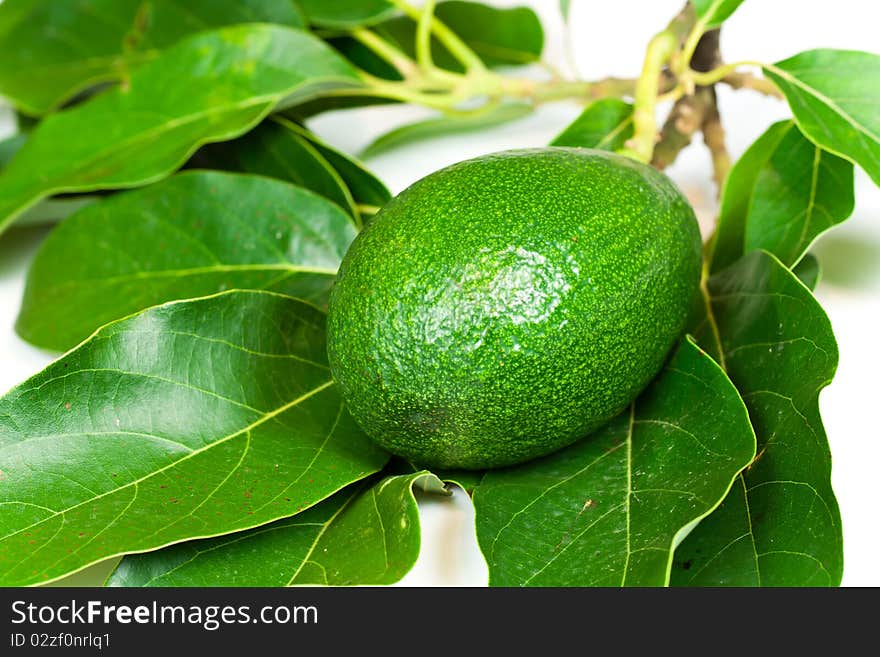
x,y
272,150
190,420
363,535
139,134
785,192
609,510
194,234
834,95
345,14
605,124
780,525
53,49
285,150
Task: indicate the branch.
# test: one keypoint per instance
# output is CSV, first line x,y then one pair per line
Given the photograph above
x,y
713,136
660,49
687,116
690,112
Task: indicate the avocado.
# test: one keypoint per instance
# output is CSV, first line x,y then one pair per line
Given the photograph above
x,y
506,306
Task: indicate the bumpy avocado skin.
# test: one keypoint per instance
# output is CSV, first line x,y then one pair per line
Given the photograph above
x,y
506,306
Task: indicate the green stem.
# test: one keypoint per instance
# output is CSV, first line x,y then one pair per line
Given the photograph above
x,y
744,80
717,74
386,50
423,37
659,51
691,42
401,91
544,91
458,48
368,209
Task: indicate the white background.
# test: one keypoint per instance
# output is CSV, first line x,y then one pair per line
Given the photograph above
x,y
608,39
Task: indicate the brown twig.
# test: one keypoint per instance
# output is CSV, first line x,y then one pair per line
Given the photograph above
x,y
713,137
685,118
697,111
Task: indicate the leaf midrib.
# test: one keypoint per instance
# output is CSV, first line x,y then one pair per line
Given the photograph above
x,y
262,420
812,91
320,534
196,271
268,100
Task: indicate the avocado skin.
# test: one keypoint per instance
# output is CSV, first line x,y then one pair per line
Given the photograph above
x,y
506,306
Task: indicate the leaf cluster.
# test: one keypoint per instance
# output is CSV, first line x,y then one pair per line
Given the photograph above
x,y
193,426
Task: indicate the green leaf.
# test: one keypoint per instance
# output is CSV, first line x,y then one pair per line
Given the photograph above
x,y
500,37
9,147
834,95
54,49
281,149
272,150
565,9
809,271
800,193
605,124
785,192
365,187
345,14
712,13
728,244
363,535
50,210
194,234
780,525
609,510
127,137
444,125
190,420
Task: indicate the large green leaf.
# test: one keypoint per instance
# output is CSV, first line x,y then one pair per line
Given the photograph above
x,y
53,49
780,525
192,419
210,87
345,14
605,124
609,510
712,13
50,210
194,234
365,187
282,149
728,243
272,150
444,125
835,98
784,193
363,535
499,36
9,147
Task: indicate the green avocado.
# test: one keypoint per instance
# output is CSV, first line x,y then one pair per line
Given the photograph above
x,y
506,306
